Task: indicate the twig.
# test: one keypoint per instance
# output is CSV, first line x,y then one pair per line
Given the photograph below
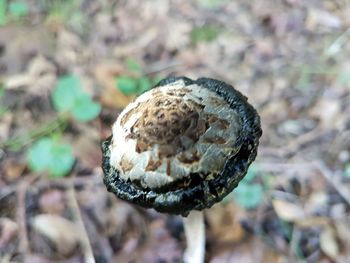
x,y
6,258
95,179
21,212
331,178
336,46
87,249
295,145
76,181
334,180
21,217
293,248
161,66
7,190
48,128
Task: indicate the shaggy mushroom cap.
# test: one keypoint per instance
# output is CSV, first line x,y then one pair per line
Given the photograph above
x,y
182,145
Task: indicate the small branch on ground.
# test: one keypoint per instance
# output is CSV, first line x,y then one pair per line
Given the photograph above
x,y
21,213
87,249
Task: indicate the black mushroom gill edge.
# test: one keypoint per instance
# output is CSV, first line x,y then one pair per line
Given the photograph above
x,y
205,193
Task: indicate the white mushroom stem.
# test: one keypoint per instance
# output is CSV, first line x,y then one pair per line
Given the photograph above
x,y
195,237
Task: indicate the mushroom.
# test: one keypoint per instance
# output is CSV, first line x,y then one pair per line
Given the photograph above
x,y
181,147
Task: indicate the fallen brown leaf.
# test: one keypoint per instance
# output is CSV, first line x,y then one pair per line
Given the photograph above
x,y
52,202
328,243
8,230
12,169
319,19
111,96
60,231
224,223
328,112
288,211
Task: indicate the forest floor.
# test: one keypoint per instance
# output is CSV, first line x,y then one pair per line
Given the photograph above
x,y
291,58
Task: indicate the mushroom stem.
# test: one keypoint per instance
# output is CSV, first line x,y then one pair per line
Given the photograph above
x,y
195,237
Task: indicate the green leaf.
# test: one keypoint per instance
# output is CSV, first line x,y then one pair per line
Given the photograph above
x,y
344,77
68,96
127,85
3,111
52,156
62,155
18,9
347,171
144,84
84,109
156,80
68,88
2,89
3,7
212,3
133,65
39,156
204,34
248,195
251,174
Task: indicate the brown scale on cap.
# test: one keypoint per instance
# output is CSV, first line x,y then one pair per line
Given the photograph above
x,y
126,165
165,118
189,160
222,124
153,165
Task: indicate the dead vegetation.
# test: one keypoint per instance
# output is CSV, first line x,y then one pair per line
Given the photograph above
x,y
290,57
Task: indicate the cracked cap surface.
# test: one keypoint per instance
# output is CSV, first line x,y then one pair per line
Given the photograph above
x,y
173,147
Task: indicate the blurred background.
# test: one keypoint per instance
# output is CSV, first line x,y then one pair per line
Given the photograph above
x,y
67,68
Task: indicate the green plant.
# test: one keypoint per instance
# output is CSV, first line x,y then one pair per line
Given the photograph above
x,y
212,3
60,8
68,12
3,7
18,9
50,155
343,77
69,97
13,9
16,142
206,33
133,65
248,193
346,173
135,85
3,110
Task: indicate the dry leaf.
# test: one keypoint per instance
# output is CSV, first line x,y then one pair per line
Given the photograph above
x,y
288,211
111,96
8,230
328,243
328,112
159,246
253,250
322,19
317,202
224,223
63,233
343,231
87,149
5,126
12,169
52,202
37,258
18,81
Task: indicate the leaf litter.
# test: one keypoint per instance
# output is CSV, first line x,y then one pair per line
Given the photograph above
x,y
288,57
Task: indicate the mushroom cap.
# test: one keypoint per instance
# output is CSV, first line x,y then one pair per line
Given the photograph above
x,y
182,145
